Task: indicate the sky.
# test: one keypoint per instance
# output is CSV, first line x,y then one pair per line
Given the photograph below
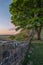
x,y
5,21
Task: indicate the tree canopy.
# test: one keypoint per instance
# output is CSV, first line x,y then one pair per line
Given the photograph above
x,y
26,12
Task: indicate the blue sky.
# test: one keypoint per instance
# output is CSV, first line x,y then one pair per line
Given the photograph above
x,y
6,27
5,15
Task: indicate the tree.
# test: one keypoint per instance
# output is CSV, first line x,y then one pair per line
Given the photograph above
x,y
26,13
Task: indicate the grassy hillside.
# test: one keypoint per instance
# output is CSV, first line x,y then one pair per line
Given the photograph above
x,y
21,36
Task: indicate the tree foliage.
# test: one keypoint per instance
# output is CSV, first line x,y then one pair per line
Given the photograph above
x,y
26,12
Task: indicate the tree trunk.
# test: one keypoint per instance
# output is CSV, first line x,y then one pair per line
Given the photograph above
x,y
38,32
38,35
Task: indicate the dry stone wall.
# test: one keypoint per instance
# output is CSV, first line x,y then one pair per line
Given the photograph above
x,y
12,52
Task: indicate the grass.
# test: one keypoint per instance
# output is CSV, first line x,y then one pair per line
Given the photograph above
x,y
37,57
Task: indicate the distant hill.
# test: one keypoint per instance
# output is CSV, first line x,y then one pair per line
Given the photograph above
x,y
5,37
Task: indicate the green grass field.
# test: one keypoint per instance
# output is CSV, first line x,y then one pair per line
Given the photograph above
x,y
37,55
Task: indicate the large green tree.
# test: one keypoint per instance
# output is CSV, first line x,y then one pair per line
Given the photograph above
x,y
26,13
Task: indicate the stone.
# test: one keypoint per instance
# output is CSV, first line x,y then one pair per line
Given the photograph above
x,y
30,51
29,56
